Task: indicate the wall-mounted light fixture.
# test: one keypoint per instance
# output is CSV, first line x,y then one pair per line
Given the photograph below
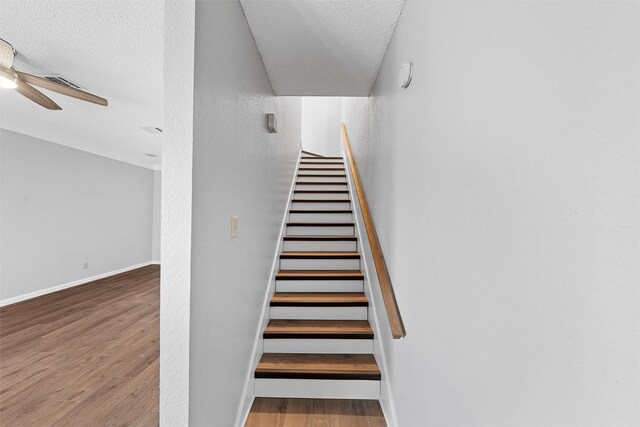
x,y
272,123
406,74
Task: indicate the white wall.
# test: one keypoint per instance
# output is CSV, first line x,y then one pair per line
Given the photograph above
x,y
238,169
177,153
504,187
61,208
157,203
321,125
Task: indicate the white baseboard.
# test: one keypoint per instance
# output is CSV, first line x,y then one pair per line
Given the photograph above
x,y
41,292
155,262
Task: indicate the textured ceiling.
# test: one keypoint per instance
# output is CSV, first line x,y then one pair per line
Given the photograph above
x,y
322,47
113,48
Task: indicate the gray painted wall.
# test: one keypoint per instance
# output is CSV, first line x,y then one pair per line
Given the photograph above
x,y
238,169
504,188
157,202
62,207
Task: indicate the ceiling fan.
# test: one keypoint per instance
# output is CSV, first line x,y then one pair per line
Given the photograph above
x,y
23,83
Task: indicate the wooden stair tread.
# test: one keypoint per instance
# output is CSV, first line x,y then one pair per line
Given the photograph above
x,y
321,169
318,366
316,175
318,329
320,201
320,163
320,191
319,275
320,224
320,211
320,255
321,183
319,299
320,238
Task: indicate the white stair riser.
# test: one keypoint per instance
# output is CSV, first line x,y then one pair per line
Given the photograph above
x,y
331,346
320,264
321,206
338,171
321,196
321,165
321,187
317,389
319,286
319,313
319,231
320,217
321,246
321,179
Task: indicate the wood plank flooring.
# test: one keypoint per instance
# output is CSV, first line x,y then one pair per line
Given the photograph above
x,y
85,356
272,412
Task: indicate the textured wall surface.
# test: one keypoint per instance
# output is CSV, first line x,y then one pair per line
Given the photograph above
x,y
504,187
320,48
177,144
238,169
61,207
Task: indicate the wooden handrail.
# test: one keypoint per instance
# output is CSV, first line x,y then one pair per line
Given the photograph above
x,y
389,297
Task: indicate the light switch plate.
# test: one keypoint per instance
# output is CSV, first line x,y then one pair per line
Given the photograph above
x,y
234,227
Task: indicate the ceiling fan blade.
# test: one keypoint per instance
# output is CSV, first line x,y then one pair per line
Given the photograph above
x,y
6,55
36,96
24,89
61,89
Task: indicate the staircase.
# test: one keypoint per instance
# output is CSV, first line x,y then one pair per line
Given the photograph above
x,y
318,342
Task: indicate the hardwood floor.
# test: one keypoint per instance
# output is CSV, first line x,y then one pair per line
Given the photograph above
x,y
271,412
85,356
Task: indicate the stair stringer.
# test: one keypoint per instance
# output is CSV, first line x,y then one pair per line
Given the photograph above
x,y
375,300
248,392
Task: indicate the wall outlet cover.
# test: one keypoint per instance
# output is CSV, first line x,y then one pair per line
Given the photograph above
x,y
234,227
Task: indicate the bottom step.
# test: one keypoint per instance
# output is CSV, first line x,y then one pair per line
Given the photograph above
x,y
267,411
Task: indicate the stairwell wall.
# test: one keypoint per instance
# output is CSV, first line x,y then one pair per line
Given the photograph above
x,y
238,169
503,186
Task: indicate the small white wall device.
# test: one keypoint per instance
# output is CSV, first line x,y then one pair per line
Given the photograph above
x,y
234,227
406,74
272,123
